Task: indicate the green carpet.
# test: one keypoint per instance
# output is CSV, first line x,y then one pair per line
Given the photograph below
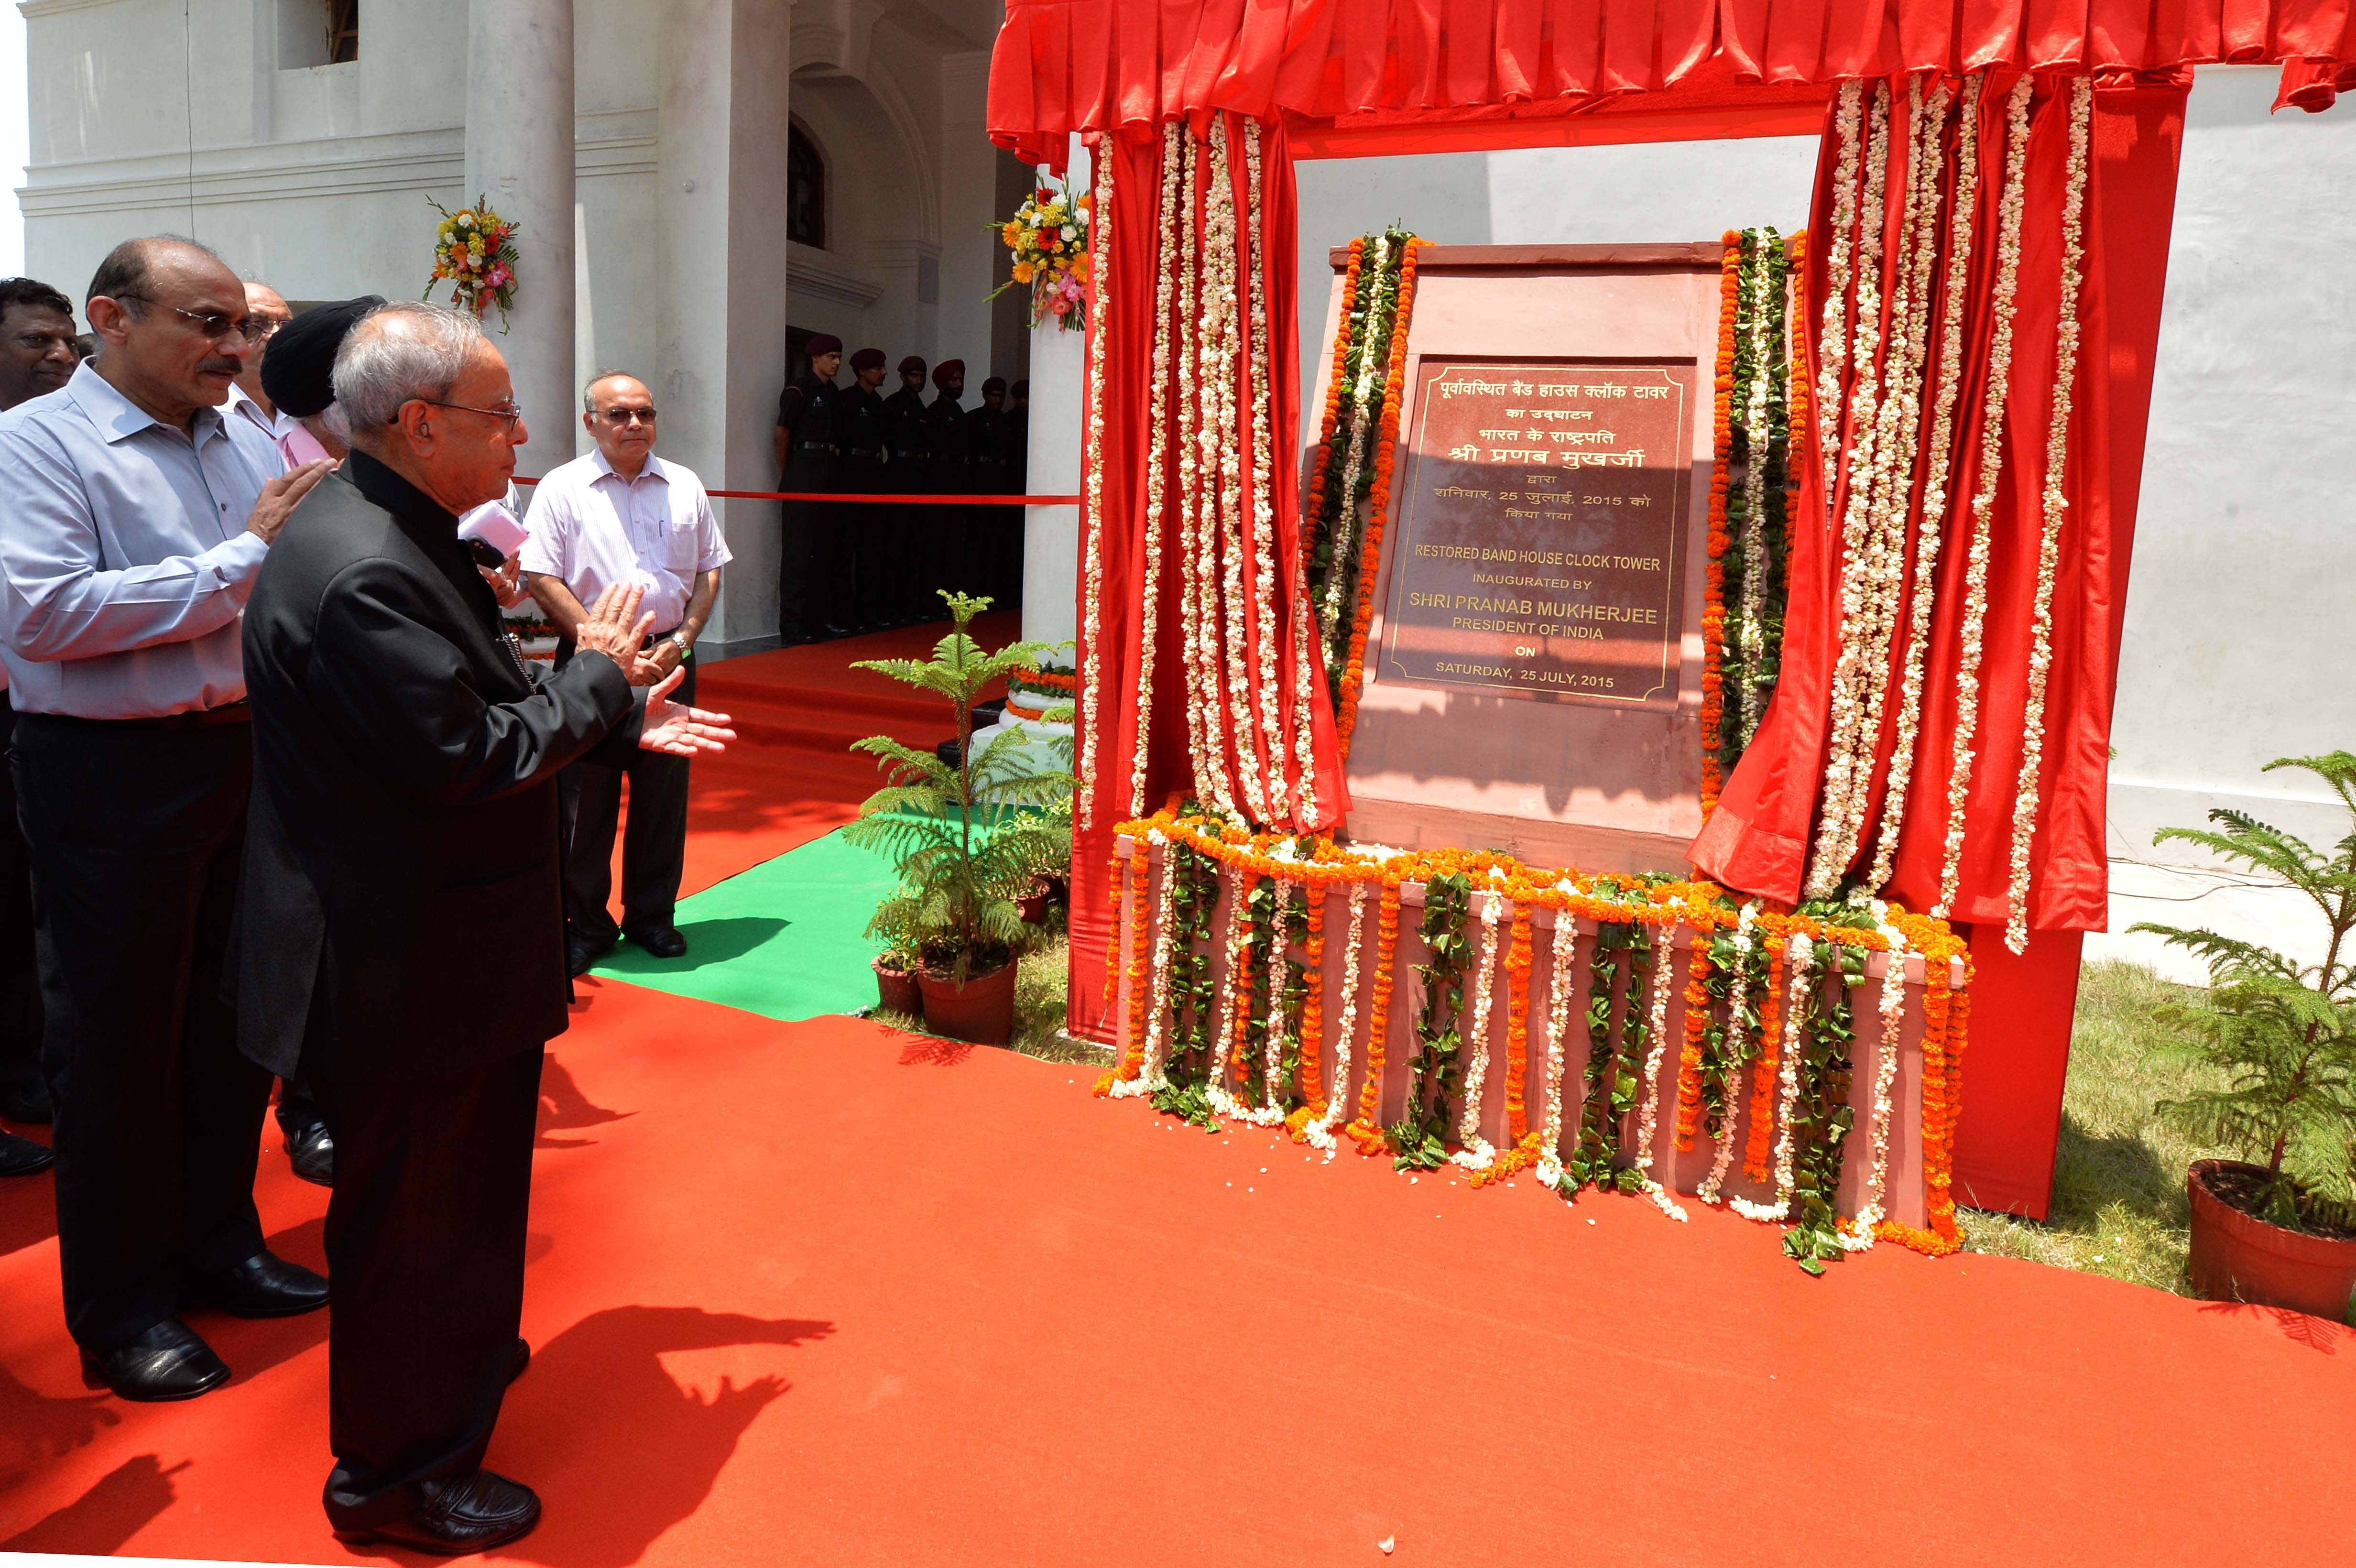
x,y
781,940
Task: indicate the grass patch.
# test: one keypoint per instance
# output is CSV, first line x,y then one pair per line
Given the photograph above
x,y
2118,1176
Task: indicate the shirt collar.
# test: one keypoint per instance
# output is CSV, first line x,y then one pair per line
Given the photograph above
x,y
249,408
117,417
383,487
605,470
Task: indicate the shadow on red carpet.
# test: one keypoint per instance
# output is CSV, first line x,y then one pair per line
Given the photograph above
x,y
824,1293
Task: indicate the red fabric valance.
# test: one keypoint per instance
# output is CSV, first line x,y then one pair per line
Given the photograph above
x,y
1085,65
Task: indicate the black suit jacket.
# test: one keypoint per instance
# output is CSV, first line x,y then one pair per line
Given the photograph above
x,y
401,915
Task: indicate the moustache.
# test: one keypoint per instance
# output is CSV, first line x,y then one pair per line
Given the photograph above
x,y
220,365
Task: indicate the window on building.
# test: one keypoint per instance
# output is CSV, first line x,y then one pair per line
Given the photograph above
x,y
805,191
343,30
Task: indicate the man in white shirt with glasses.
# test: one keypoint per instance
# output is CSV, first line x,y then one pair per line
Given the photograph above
x,y
621,514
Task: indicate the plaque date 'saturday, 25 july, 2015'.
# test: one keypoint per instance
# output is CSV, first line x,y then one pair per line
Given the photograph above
x,y
1539,550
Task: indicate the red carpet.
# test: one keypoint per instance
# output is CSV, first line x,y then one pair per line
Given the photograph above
x,y
792,775
819,1294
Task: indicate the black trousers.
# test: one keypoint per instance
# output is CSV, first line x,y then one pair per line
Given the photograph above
x,y
135,835
425,1246
20,971
653,846
801,527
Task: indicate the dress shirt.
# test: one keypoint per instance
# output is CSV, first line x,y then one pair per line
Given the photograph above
x,y
125,559
295,445
591,527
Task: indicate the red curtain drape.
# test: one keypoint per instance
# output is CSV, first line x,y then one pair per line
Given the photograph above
x,y
1760,838
1117,471
1065,67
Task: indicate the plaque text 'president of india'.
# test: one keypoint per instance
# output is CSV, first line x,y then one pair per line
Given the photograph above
x,y
1539,550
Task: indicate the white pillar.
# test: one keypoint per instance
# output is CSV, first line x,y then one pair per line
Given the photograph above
x,y
720,306
520,159
1051,535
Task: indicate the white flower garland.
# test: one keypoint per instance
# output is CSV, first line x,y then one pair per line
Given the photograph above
x,y
1264,533
1932,529
1656,1084
1797,953
1320,1132
1231,969
2056,502
1563,952
1345,517
1857,583
1092,499
1271,1042
1477,1153
1729,1088
1752,636
1896,448
1857,1234
1223,458
1150,602
1982,487
1832,335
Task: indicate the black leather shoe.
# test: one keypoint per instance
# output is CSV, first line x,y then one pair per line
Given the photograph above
x,y
452,1517
581,952
23,1157
519,1358
28,1103
663,940
263,1286
312,1152
168,1363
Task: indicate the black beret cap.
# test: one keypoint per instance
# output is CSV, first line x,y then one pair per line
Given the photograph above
x,y
913,364
298,370
868,360
822,343
995,384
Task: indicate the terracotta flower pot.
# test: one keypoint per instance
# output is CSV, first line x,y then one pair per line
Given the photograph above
x,y
2240,1257
981,1010
897,990
1032,905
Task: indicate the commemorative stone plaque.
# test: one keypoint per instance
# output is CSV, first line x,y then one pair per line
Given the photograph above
x,y
1532,678
1540,552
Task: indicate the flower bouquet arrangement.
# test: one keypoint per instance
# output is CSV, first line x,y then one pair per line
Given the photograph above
x,y
1039,694
474,251
1049,235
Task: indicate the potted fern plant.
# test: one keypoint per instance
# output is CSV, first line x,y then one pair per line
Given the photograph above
x,y
2280,1226
966,840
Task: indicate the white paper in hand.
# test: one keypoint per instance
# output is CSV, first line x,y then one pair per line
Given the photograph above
x,y
495,526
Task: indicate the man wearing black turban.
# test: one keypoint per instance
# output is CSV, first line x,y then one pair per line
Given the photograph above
x,y
297,373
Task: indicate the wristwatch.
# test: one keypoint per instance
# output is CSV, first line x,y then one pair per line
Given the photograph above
x,y
678,640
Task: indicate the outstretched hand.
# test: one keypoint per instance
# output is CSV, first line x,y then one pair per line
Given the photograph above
x,y
678,730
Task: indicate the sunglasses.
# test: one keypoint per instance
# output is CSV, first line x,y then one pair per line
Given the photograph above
x,y
628,416
217,325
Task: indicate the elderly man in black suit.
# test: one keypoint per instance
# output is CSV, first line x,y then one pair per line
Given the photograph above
x,y
404,917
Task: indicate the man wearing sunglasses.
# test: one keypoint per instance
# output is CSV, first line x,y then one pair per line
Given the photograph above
x,y
623,516
137,522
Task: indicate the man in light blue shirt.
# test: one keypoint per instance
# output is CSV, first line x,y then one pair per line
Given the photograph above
x,y
137,518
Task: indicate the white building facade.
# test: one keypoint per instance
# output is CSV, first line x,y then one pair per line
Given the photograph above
x,y
659,154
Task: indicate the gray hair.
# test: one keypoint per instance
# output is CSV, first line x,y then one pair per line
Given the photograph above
x,y
399,352
588,404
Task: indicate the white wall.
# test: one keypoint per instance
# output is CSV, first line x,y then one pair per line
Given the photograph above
x,y
14,139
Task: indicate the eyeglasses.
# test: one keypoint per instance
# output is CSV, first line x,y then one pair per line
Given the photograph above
x,y
509,413
216,325
630,416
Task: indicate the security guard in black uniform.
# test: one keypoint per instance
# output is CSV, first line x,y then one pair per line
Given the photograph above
x,y
863,564
943,563
908,431
990,538
806,446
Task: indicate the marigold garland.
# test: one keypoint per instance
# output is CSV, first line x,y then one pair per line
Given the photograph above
x,y
1312,1006
1697,1031
1088,679
1650,910
1140,947
1713,615
1379,504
